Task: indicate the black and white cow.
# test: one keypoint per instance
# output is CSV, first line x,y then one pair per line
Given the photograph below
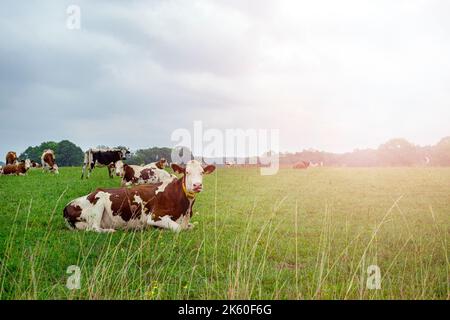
x,y
102,157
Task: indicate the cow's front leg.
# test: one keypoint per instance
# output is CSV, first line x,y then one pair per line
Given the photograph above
x,y
165,222
83,171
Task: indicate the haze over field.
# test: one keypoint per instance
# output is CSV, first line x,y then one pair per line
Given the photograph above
x,y
330,75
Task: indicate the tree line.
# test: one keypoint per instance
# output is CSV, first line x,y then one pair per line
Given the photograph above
x,y
66,152
395,152
69,154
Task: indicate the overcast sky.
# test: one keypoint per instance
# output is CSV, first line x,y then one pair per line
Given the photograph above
x,y
331,75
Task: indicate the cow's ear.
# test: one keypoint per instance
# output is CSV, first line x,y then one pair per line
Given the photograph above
x,y
178,168
209,169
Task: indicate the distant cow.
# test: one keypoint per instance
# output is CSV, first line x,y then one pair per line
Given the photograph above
x,y
48,161
34,164
160,164
136,175
18,169
165,205
102,157
11,157
302,165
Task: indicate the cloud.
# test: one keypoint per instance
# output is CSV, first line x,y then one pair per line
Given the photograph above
x,y
329,75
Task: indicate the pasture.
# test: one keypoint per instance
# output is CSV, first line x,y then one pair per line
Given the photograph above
x,y
301,234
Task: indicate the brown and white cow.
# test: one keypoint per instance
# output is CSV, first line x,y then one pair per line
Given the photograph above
x,y
18,169
166,205
160,164
136,175
302,165
34,164
48,161
11,157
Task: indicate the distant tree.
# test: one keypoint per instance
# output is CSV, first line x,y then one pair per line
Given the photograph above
x,y
66,152
149,155
441,152
398,152
35,153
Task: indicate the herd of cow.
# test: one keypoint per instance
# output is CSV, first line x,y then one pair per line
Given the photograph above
x,y
14,166
148,195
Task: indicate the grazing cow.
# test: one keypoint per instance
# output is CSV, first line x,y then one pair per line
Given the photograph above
x,y
102,157
302,165
48,161
11,157
136,175
18,169
166,205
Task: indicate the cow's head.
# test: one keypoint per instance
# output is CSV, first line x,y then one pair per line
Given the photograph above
x,y
193,175
55,169
118,168
161,163
124,153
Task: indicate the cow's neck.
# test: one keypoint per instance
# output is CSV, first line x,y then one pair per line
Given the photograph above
x,y
186,197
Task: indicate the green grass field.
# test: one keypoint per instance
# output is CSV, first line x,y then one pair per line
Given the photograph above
x,y
296,235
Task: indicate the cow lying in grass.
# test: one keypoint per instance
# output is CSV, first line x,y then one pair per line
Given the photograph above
x,y
136,175
166,204
19,168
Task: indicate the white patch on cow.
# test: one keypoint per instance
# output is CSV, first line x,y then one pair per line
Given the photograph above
x,y
92,214
165,222
27,164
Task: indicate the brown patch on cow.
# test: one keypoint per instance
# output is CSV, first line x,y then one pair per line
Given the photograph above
x,y
49,159
172,201
92,197
11,157
146,174
71,214
128,173
123,204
